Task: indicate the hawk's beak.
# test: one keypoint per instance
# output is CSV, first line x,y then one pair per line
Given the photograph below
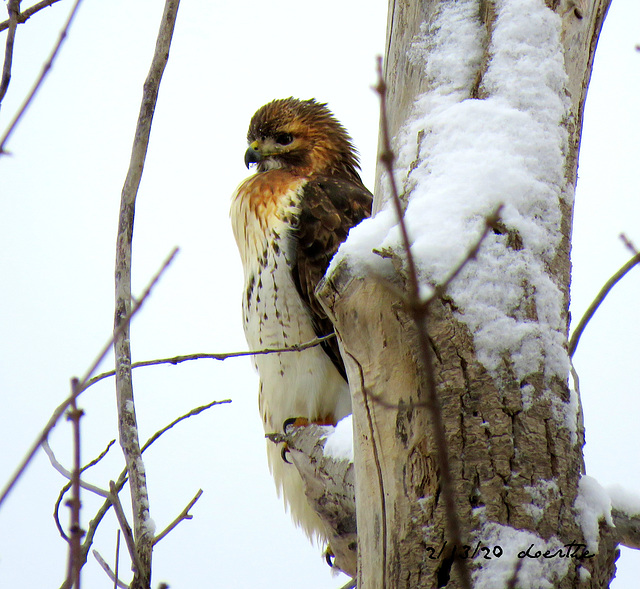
x,y
252,155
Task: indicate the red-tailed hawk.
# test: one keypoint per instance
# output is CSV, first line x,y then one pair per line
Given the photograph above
x,y
289,219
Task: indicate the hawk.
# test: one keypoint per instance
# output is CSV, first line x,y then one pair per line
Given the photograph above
x,y
289,219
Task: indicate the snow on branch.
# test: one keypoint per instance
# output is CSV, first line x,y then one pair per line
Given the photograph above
x,y
625,512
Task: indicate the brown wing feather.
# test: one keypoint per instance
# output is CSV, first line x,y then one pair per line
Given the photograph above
x,y
329,208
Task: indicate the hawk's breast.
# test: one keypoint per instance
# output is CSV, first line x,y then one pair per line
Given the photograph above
x,y
293,384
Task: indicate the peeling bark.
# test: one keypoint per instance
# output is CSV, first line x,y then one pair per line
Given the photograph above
x,y
330,489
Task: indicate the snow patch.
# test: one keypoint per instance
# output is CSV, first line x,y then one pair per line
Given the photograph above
x,y
148,524
339,444
361,243
624,500
541,494
592,504
584,574
506,148
535,573
573,410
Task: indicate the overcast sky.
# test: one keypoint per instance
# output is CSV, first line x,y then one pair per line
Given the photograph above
x,y
60,194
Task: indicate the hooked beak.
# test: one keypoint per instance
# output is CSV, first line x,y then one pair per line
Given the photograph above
x,y
252,155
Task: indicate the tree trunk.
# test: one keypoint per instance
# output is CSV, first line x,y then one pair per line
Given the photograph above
x,y
514,433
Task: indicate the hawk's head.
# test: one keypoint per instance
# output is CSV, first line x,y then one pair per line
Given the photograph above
x,y
302,136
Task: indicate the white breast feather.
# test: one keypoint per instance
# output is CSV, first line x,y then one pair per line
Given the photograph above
x,y
292,384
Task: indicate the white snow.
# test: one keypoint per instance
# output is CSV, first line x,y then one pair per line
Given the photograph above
x,y
585,575
339,444
505,148
541,494
573,410
518,546
624,500
592,504
148,524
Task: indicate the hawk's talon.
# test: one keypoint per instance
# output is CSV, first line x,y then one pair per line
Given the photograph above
x,y
329,555
283,453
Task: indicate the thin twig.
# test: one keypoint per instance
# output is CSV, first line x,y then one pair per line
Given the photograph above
x,y
127,422
419,313
191,413
75,531
59,411
513,580
13,7
593,307
114,499
490,222
222,356
54,461
69,475
184,514
107,569
29,12
629,244
45,70
122,479
115,573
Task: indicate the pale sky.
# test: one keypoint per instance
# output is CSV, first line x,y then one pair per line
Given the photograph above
x,y
60,195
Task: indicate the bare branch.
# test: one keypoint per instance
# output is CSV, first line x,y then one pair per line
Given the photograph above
x,y
191,413
627,528
13,7
26,14
127,422
76,532
222,356
593,307
114,499
58,466
53,420
122,479
115,576
184,514
68,475
45,70
629,244
329,485
418,313
107,569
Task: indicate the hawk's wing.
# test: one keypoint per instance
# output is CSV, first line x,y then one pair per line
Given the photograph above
x,y
329,208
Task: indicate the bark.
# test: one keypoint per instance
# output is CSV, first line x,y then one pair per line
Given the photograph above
x,y
330,489
499,449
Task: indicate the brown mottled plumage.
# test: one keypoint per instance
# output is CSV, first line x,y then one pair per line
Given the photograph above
x,y
289,220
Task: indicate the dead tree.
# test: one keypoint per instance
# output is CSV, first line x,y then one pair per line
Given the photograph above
x,y
485,102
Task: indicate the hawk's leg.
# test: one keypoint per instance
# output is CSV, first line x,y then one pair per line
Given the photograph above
x,y
302,422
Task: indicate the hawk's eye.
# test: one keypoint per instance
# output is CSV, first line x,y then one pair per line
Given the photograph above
x,y
284,138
